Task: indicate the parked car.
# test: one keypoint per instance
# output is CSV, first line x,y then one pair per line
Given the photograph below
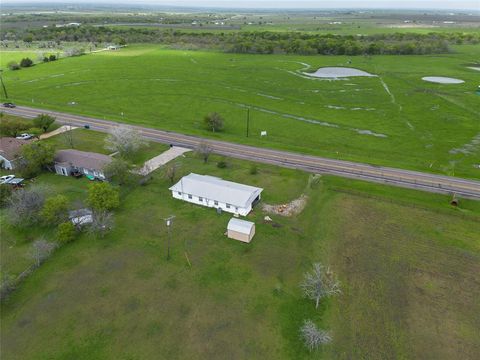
x,y
9,105
6,178
24,136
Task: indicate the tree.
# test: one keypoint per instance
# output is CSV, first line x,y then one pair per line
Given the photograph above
x,y
118,171
312,336
124,140
24,206
55,210
214,121
52,58
102,223
13,127
36,156
13,65
5,193
41,251
171,171
319,283
43,121
66,232
203,150
103,196
26,62
69,137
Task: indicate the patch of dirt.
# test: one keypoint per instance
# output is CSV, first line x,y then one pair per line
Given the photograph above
x,y
292,208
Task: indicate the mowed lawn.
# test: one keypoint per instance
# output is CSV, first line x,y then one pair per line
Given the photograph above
x,y
393,119
408,275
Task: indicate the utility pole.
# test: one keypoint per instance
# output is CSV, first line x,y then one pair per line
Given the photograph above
x,y
169,223
248,120
3,85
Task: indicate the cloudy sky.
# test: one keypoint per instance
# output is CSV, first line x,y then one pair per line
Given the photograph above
x,y
412,4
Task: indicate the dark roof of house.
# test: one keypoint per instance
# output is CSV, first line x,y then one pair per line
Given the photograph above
x,y
10,147
82,159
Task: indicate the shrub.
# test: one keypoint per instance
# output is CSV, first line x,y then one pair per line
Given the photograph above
x,y
222,164
312,336
253,169
26,62
13,65
65,232
45,59
52,58
43,121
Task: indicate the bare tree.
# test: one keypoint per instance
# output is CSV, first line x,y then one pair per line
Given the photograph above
x,y
102,223
41,250
171,171
203,150
24,205
320,282
312,336
125,140
69,137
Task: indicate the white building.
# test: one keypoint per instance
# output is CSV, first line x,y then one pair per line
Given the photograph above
x,y
240,230
214,192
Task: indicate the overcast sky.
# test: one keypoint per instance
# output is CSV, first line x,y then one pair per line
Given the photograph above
x,y
411,4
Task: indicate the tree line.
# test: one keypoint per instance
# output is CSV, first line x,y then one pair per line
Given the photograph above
x,y
258,42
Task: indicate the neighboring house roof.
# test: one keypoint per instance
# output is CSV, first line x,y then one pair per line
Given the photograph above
x,y
10,148
82,159
241,226
214,188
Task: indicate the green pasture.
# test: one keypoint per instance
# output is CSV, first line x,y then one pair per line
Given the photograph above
x,y
393,119
407,269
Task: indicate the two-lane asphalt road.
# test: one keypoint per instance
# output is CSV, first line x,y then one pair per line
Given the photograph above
x,y
314,164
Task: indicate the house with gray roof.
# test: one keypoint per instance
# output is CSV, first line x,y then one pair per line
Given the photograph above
x,y
71,161
214,192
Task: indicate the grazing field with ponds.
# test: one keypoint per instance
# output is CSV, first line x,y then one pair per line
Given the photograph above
x,y
393,118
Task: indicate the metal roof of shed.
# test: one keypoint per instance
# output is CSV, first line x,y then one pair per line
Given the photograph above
x,y
214,188
241,226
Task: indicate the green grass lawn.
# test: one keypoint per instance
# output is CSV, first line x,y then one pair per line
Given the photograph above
x,y
418,125
407,270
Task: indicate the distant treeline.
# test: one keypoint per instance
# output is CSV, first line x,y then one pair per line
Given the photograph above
x,y
264,42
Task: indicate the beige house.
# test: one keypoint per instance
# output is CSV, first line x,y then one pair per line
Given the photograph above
x,y
241,230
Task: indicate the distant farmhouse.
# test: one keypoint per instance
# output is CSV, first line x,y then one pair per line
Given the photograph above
x,y
214,192
10,152
69,162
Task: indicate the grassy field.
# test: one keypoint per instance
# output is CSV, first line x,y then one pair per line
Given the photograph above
x,y
394,119
407,262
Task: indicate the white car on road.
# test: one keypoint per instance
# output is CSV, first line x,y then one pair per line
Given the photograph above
x,y
6,178
24,136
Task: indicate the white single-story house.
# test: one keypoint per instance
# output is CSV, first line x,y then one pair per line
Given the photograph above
x,y
10,152
214,192
71,161
240,230
81,217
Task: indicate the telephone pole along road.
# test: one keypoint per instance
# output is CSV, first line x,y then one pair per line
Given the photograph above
x,y
314,164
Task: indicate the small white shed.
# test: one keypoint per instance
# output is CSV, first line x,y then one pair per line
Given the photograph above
x,y
241,230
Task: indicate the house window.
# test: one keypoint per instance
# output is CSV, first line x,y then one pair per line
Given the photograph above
x,y
179,193
227,206
190,196
236,209
215,202
200,199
